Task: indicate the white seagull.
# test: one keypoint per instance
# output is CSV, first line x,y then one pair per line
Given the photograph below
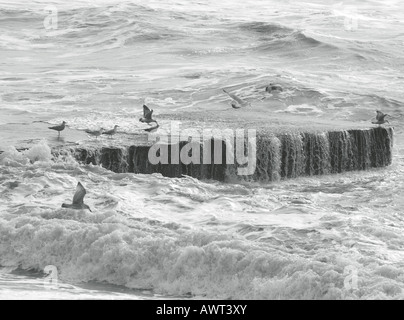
x,y
112,132
237,103
95,133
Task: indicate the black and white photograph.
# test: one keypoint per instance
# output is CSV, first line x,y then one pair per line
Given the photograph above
x,y
201,151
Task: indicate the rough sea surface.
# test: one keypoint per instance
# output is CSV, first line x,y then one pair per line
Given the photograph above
x,y
337,236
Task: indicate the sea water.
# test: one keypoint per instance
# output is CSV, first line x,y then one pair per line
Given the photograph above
x,y
94,63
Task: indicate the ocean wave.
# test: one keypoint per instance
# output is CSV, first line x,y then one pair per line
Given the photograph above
x,y
264,28
122,24
274,37
170,259
296,42
130,25
17,14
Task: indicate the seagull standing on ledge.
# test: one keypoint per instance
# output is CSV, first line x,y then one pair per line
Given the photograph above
x,y
380,118
59,128
147,115
78,199
95,133
237,103
112,132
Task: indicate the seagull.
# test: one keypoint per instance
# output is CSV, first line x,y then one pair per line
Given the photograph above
x,y
111,132
273,87
380,118
95,133
59,128
78,199
147,115
237,103
152,129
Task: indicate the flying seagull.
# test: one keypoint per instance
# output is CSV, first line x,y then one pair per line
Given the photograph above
x,y
273,87
147,115
152,129
237,103
111,132
95,133
380,118
59,128
78,199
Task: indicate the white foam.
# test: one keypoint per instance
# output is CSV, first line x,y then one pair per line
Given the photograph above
x,y
301,109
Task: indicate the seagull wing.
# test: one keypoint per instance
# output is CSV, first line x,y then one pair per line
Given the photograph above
x,y
109,132
234,97
79,195
146,111
59,127
380,115
149,115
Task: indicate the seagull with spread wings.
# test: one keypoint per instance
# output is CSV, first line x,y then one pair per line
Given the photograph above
x,y
147,115
237,103
380,118
78,199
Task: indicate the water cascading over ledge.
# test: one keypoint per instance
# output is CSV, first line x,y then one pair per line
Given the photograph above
x,y
278,156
